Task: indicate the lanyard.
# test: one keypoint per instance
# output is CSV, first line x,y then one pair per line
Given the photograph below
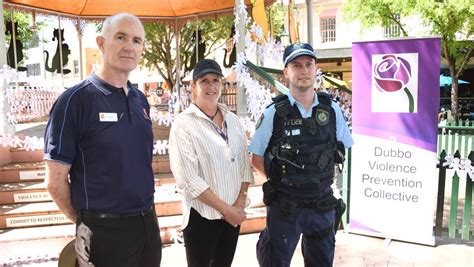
x,y
220,132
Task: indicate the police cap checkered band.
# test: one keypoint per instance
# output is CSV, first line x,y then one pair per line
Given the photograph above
x,y
296,50
204,67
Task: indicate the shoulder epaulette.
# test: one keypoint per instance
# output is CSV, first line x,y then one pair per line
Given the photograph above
x,y
277,98
282,105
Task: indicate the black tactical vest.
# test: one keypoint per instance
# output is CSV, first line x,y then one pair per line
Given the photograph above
x,y
300,154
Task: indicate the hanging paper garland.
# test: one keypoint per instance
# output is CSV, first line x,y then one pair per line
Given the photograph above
x,y
460,166
28,143
258,96
160,147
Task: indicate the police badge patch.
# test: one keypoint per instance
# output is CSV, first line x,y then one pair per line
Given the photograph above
x,y
259,122
322,117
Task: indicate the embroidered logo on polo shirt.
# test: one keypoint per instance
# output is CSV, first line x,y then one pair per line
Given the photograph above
x,y
108,117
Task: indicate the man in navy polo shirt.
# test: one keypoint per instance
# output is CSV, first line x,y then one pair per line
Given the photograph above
x,y
100,135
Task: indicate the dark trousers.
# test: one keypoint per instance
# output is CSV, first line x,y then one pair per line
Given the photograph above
x,y
278,241
209,243
119,242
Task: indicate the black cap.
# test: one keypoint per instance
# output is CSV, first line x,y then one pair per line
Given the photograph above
x,y
296,50
206,66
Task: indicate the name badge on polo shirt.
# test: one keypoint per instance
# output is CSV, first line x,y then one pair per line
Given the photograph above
x,y
108,117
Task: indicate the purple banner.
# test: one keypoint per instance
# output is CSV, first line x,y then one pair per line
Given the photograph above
x,y
396,90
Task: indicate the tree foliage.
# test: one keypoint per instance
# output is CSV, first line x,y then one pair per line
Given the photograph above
x,y
372,13
452,20
160,48
277,18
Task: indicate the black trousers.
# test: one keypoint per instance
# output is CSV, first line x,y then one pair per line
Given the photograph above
x,y
119,242
209,243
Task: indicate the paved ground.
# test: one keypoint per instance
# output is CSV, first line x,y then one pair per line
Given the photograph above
x,y
351,250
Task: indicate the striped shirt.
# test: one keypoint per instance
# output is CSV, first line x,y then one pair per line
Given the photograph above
x,y
202,158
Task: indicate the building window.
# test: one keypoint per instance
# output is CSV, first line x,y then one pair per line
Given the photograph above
x,y
33,69
328,30
76,66
392,30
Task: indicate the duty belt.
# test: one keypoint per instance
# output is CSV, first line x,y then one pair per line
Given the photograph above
x,y
321,184
322,205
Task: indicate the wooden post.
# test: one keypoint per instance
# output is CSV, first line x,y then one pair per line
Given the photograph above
x,y
60,40
447,134
240,46
453,210
440,138
196,35
440,198
346,185
13,38
177,82
466,221
3,55
309,12
80,31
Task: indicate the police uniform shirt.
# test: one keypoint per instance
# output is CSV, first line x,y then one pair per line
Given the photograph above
x,y
263,133
107,138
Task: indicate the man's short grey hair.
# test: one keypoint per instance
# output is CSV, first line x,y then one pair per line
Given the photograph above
x,y
109,21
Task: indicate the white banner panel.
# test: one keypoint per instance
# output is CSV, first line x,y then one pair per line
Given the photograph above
x,y
389,186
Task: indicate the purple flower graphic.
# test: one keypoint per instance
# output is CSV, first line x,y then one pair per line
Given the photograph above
x,y
392,74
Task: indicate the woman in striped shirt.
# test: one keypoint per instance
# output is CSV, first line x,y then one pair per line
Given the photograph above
x,y
209,160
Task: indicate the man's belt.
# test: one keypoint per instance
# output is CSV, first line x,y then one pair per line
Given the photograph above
x,y
89,214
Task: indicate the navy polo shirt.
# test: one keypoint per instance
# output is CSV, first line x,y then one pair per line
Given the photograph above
x,y
107,138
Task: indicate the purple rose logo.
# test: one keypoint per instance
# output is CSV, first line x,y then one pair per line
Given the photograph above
x,y
392,74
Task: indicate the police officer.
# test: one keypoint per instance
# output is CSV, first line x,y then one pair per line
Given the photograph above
x,y
295,146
